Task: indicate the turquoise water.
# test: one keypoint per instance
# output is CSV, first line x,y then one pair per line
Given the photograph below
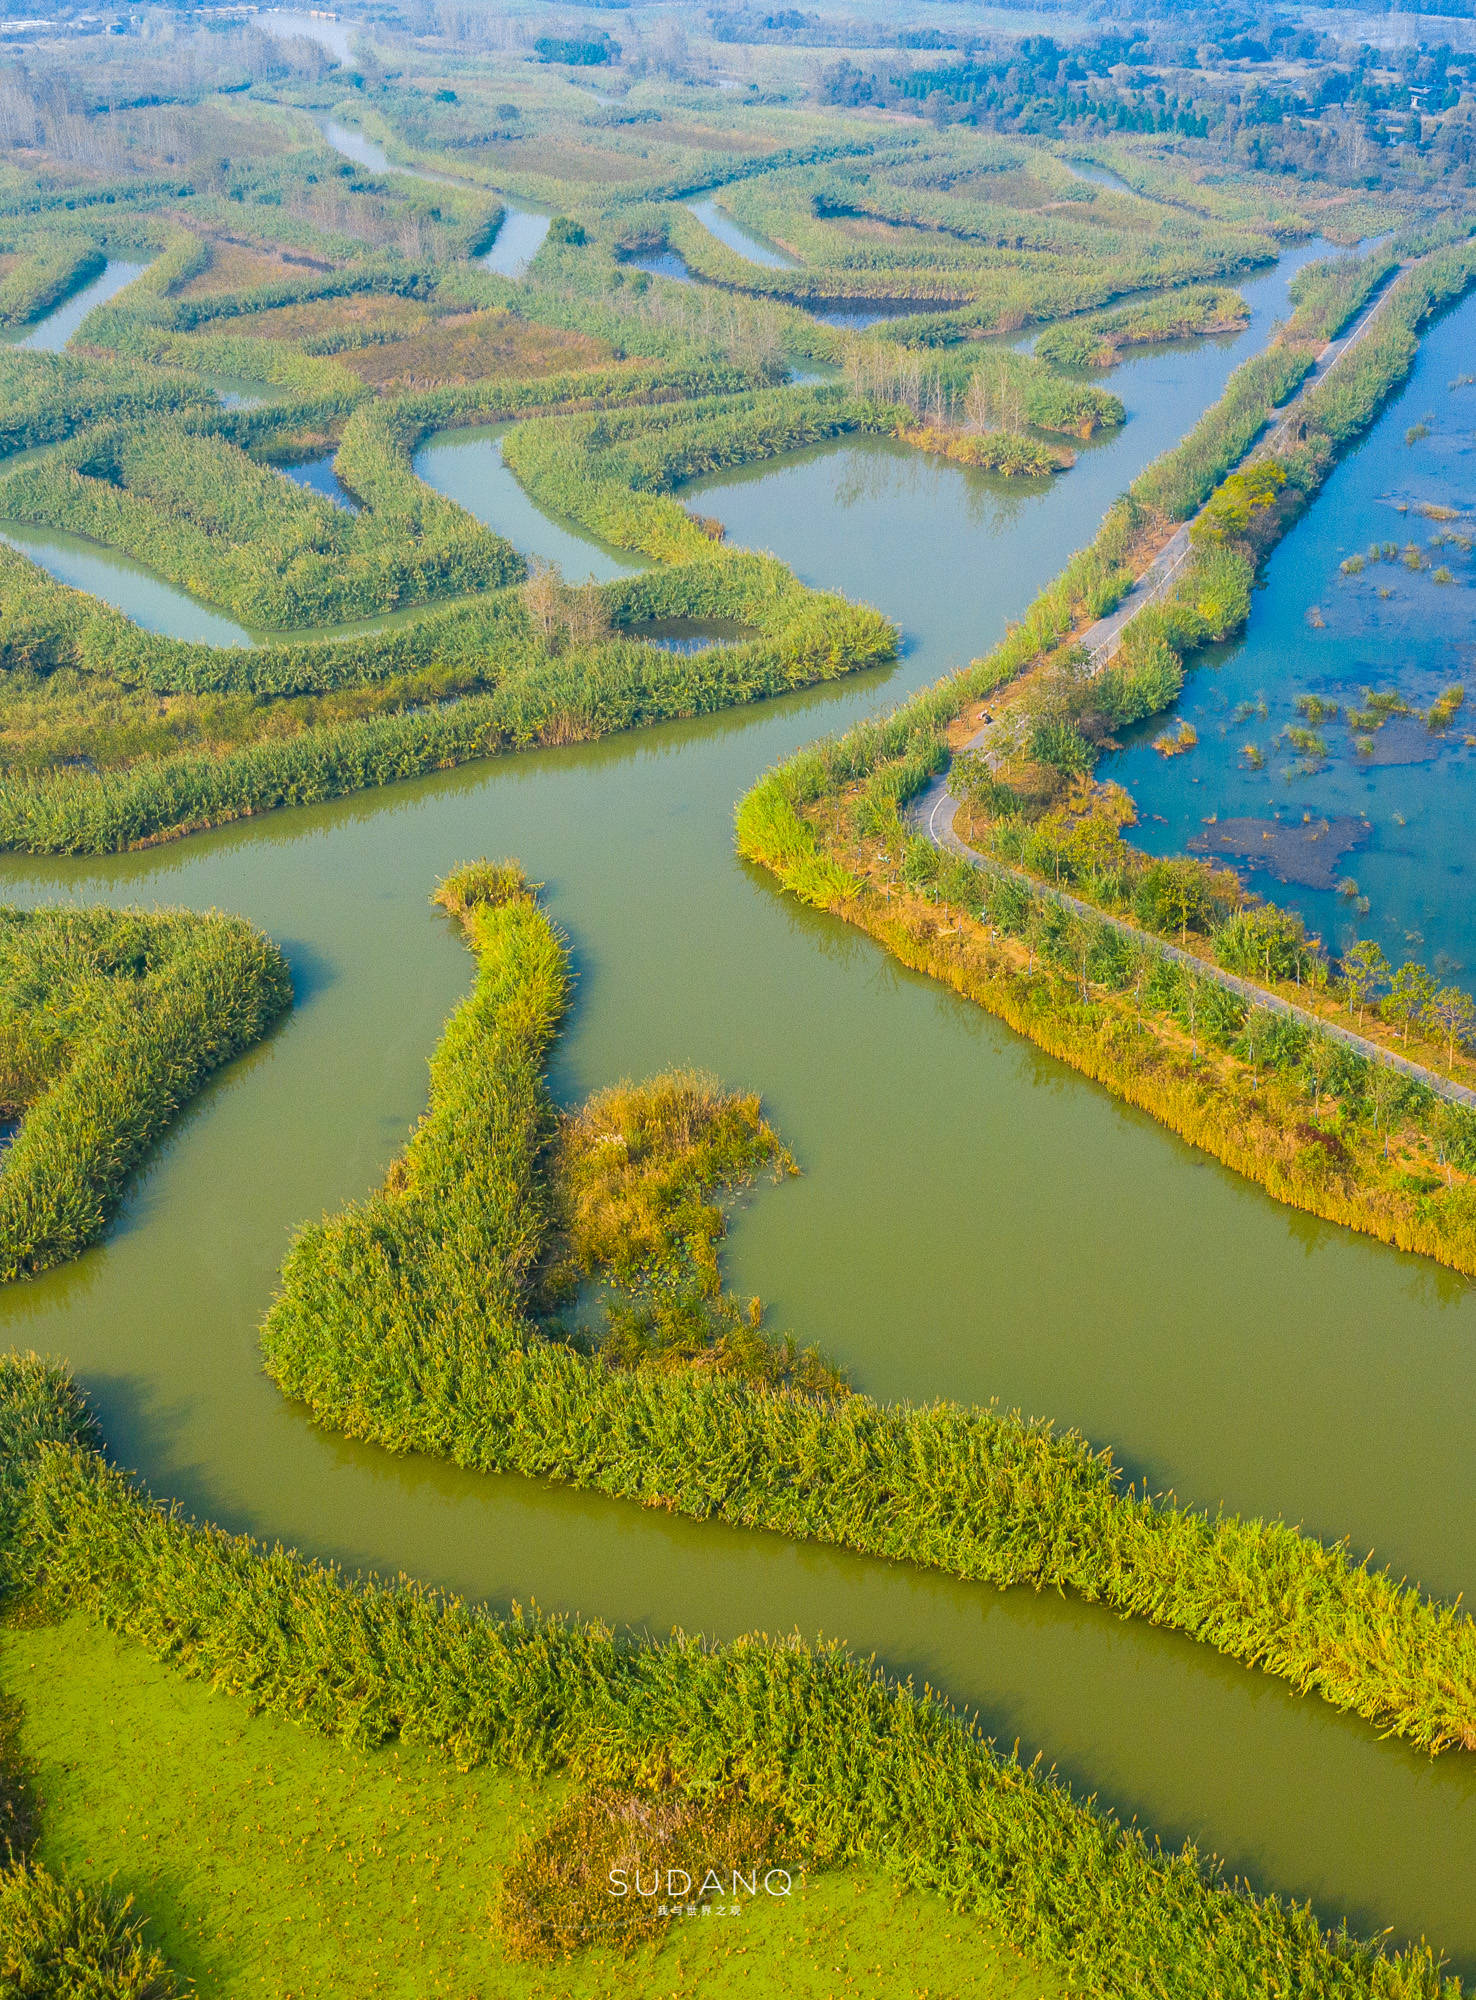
x,y
1405,803
973,1220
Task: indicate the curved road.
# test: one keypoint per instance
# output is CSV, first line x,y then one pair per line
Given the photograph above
x,y
934,811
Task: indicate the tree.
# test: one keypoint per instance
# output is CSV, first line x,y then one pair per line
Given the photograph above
x,y
1173,894
1228,514
1383,1094
543,597
1365,969
586,615
1454,1014
1410,992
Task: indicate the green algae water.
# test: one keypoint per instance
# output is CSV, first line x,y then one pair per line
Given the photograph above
x,y
973,1221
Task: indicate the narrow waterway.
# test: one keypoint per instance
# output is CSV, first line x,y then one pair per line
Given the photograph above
x,y
467,466
973,1220
54,329
757,249
523,226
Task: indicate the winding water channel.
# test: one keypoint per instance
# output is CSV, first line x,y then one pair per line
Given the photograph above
x,y
520,233
974,1220
51,333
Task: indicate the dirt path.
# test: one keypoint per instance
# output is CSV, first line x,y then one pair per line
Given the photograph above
x,y
934,811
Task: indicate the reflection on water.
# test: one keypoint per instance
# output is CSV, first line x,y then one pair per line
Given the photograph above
x,y
972,1221
880,469
366,152
239,392
662,264
1401,510
690,635
467,466
859,313
145,598
51,333
318,476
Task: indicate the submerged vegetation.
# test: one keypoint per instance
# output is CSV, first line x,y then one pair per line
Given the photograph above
x,y
110,1021
1328,1122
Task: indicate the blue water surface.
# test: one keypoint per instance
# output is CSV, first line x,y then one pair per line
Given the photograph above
x,y
1396,801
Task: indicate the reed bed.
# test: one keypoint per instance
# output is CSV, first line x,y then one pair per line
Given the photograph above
x,y
857,1767
408,1321
887,762
112,1021
48,269
59,1940
466,680
1098,339
545,689
200,512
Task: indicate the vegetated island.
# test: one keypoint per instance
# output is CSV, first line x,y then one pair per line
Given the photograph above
x,y
753,1749
425,1319
110,1021
1122,976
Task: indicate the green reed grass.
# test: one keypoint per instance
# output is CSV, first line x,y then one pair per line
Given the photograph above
x,y
407,1320
859,1768
109,1022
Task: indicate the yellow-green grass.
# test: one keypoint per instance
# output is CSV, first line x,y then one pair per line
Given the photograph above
x,y
273,1862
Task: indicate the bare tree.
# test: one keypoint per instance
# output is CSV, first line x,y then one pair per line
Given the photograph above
x,y
542,597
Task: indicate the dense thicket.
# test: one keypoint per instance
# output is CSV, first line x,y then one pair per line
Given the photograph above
x,y
858,1767
406,1320
109,1022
